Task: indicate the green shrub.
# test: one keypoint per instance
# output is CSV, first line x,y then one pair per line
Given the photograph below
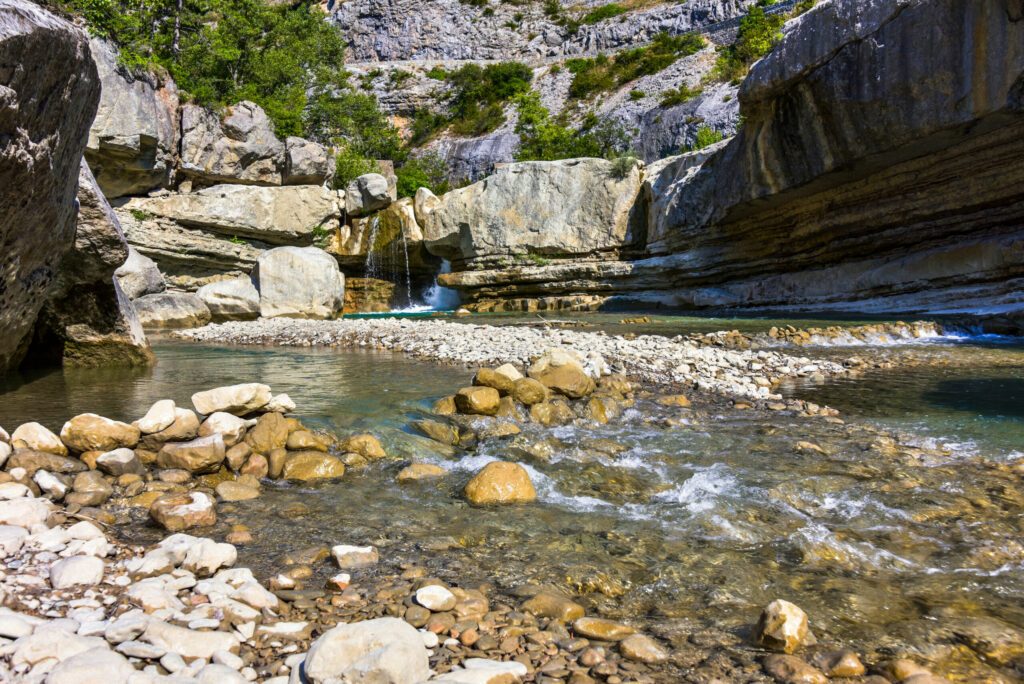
x,y
675,96
706,136
757,35
603,12
543,138
425,171
437,73
350,165
603,73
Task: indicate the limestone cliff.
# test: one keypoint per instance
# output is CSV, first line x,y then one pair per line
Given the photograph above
x,y
878,169
49,91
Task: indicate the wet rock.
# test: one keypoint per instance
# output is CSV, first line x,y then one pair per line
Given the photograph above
x,y
351,557
236,491
601,629
435,598
120,462
792,670
992,639
900,669
477,400
500,482
309,465
36,437
554,606
782,627
438,431
200,455
445,406
90,432
643,649
551,413
230,427
366,445
839,664
420,471
235,399
385,650
256,466
160,416
33,461
176,512
171,310
76,570
677,400
269,433
299,282
487,377
304,440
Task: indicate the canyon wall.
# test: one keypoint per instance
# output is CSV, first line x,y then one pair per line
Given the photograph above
x,y
877,169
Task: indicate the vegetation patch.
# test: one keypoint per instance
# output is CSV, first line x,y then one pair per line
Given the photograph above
x,y
547,138
603,73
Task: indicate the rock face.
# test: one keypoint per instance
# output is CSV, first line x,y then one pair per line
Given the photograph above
x,y
299,282
574,207
134,138
46,106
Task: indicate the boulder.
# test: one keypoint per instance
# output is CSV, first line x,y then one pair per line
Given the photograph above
x,y
93,666
49,102
24,512
89,489
501,482
573,207
133,139
782,627
602,629
90,432
280,216
235,399
366,194
88,320
160,416
307,162
172,310
230,427
120,462
562,372
32,461
230,490
139,275
384,651
240,148
270,432
184,427
231,300
200,455
299,282
38,438
312,465
366,445
177,512
188,643
477,400
529,391
280,403
420,471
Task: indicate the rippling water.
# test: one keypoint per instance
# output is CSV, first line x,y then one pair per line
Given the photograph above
x,y
682,521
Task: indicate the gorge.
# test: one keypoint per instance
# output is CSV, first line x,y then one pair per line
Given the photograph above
x,y
511,341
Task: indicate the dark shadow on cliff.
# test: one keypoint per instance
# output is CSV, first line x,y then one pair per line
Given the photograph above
x,y
987,397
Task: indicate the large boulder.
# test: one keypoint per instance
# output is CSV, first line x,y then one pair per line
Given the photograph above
x,y
89,320
134,137
48,98
307,162
231,300
139,275
283,216
383,651
299,282
367,194
172,310
239,148
572,207
501,482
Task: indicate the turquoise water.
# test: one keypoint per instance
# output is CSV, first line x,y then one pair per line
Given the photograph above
x,y
667,518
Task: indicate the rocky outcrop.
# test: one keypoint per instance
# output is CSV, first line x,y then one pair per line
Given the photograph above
x,y
576,207
88,320
875,171
387,244
134,138
49,92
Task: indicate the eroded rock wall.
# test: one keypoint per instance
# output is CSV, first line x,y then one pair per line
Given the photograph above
x,y
49,91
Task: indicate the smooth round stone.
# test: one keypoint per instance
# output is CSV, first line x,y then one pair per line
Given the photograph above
x,y
643,649
435,598
601,629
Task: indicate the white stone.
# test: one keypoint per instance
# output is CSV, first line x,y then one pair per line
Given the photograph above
x,y
172,662
385,650
126,627
231,300
50,484
14,490
44,644
236,399
219,674
160,416
299,282
230,427
153,595
35,436
483,671
85,530
254,594
189,644
119,462
25,512
14,627
5,453
280,403
207,556
95,666
11,539
138,649
349,557
229,659
76,570
508,371
435,598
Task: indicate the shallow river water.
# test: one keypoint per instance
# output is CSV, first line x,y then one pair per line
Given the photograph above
x,y
898,532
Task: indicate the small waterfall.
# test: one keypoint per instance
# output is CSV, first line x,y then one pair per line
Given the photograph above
x,y
373,259
408,273
442,298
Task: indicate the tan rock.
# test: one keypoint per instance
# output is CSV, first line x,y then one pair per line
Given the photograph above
x,y
312,465
551,413
839,664
236,399
782,627
90,432
477,401
236,491
159,417
601,629
420,471
33,461
529,391
366,445
229,426
501,482
257,466
569,380
177,512
200,455
438,431
792,670
487,377
37,438
275,462
185,427
555,606
643,649
304,440
445,406
269,433
678,400
237,455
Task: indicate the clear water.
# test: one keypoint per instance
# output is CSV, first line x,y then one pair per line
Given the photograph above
x,y
691,524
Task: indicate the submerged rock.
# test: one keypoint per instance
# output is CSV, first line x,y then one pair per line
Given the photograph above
x,y
176,512
501,482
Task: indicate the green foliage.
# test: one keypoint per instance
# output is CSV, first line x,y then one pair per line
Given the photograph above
x,y
355,120
546,139
637,95
758,34
675,96
603,73
350,164
140,214
437,73
535,259
623,166
321,236
235,240
706,136
427,171
603,12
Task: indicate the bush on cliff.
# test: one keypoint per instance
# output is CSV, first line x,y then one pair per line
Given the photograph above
x,y
758,34
544,138
603,73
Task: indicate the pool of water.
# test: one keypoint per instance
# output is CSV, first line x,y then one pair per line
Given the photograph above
x,y
686,523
